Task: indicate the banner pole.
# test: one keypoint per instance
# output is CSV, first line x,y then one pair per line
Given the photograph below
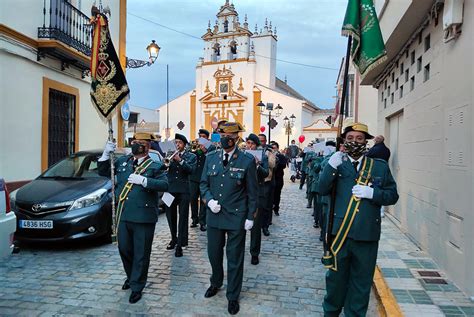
x,y
329,236
112,179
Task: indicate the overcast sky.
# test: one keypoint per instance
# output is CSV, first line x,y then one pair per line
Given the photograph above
x,y
309,32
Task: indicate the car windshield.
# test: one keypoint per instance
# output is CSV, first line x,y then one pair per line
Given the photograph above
x,y
74,167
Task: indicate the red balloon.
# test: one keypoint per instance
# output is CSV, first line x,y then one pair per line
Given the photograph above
x,y
262,128
301,138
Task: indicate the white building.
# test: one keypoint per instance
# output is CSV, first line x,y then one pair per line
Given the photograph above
x,y
425,110
142,120
45,110
236,72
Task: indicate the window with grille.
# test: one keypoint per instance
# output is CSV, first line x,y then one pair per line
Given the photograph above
x,y
61,125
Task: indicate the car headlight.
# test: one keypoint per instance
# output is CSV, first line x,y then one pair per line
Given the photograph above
x,y
89,200
13,199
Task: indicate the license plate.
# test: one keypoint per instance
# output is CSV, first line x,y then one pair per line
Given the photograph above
x,y
36,224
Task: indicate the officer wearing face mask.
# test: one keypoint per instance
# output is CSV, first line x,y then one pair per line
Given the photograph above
x,y
229,189
139,179
363,184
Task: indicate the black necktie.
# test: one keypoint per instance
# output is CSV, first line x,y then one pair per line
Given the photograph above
x,y
226,159
135,164
355,164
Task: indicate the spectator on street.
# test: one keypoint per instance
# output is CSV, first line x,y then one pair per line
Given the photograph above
x,y
379,150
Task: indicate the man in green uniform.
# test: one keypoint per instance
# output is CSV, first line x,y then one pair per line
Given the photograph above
x,y
229,188
198,209
325,199
139,179
269,185
182,165
314,169
362,185
253,143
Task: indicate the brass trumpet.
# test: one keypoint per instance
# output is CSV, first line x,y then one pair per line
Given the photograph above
x,y
169,157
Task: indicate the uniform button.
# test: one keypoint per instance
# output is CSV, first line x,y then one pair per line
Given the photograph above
x,y
146,205
126,198
223,175
236,209
220,195
222,185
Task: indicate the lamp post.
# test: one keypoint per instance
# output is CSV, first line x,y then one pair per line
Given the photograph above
x,y
153,50
269,107
289,124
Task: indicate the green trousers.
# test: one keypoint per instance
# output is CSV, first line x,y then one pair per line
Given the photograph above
x,y
134,244
235,251
256,234
350,285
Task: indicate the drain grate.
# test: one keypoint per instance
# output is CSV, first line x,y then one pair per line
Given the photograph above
x,y
435,281
429,273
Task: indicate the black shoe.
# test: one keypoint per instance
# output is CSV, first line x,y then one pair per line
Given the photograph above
x,y
203,228
135,297
171,245
194,225
126,285
265,231
211,291
233,307
179,252
254,260
309,206
277,213
316,225
321,239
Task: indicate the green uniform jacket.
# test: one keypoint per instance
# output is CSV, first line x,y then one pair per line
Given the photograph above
x,y
262,173
178,174
233,186
314,173
366,225
141,204
200,159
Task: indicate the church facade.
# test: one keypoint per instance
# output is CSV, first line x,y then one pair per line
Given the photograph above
x,y
236,72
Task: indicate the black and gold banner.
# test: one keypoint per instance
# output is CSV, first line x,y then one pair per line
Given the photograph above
x,y
109,87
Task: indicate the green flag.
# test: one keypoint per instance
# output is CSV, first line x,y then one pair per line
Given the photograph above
x,y
368,49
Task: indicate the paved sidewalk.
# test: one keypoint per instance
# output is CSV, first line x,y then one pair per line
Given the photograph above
x,y
419,286
87,279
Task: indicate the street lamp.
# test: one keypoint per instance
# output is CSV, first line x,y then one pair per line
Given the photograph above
x,y
269,107
289,124
153,50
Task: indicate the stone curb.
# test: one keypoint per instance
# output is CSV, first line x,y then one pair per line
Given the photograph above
x,y
387,303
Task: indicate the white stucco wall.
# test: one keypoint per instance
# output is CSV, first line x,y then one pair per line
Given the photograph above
x,y
430,131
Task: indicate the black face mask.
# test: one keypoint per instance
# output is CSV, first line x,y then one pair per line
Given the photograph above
x,y
138,149
355,149
227,142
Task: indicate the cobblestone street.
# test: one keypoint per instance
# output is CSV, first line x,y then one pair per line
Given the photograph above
x,y
87,279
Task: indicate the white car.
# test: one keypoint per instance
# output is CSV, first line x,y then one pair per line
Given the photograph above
x,y
7,222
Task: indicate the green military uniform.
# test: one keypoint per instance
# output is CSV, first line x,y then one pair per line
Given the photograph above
x,y
138,214
349,284
178,180
235,189
309,157
198,208
314,173
325,202
256,232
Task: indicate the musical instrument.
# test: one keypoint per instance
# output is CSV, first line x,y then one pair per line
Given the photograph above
x,y
169,157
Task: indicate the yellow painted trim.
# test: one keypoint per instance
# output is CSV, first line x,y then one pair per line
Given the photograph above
x,y
11,33
47,85
207,120
388,305
240,116
257,96
192,112
123,62
224,101
226,61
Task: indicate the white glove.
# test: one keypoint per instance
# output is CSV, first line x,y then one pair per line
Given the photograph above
x,y
109,147
248,224
361,191
336,159
214,206
137,179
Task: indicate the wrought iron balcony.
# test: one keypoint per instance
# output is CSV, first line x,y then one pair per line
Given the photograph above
x,y
66,24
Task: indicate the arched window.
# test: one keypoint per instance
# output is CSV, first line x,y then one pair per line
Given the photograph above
x,y
226,26
233,50
216,55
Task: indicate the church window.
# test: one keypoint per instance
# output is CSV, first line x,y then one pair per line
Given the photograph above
x,y
216,55
226,26
233,50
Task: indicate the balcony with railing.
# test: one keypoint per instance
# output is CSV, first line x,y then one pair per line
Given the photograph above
x,y
65,34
